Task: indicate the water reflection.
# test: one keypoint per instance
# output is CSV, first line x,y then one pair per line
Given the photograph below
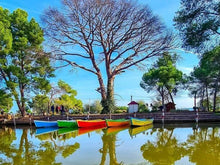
x,y
203,146
114,146
165,149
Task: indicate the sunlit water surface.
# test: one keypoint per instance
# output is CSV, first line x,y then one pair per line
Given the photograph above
x,y
165,145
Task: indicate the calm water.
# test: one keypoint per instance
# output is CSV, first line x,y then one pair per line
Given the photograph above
x,y
137,146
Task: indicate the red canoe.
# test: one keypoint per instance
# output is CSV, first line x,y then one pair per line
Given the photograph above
x,y
91,123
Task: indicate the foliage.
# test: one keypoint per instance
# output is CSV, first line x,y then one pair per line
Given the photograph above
x,y
121,109
95,107
6,101
164,77
206,76
67,98
142,107
24,67
112,36
40,104
199,23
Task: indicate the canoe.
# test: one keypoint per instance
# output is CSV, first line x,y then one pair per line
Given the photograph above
x,y
141,122
67,123
45,130
115,130
136,130
41,123
91,123
117,122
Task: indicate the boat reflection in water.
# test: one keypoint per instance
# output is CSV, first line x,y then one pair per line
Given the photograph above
x,y
133,131
45,130
169,145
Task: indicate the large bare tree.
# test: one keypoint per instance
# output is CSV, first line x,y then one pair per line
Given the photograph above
x,y
110,34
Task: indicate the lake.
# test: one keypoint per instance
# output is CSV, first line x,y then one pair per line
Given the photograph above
x,y
156,144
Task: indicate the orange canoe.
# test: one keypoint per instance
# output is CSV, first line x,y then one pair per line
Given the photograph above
x,y
117,122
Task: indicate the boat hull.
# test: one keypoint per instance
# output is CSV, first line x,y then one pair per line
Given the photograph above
x,y
40,123
67,123
91,123
141,122
117,123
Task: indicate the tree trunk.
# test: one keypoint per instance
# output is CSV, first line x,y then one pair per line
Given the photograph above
x,y
195,99
202,99
171,97
22,107
162,95
207,97
108,103
215,96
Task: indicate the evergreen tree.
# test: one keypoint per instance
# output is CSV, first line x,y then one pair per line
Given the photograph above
x,y
24,67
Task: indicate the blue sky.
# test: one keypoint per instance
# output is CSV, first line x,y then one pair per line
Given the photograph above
x,y
126,84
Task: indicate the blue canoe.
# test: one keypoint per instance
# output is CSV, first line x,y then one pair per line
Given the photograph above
x,y
40,123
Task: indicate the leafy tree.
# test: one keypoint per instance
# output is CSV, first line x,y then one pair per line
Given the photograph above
x,y
105,38
24,67
142,107
164,77
67,98
95,107
199,23
40,104
6,101
207,74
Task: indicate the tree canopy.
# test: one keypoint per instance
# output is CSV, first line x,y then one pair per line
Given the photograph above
x,y
199,24
67,97
163,77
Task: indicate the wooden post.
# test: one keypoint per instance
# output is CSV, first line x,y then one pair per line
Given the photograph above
x,y
163,114
197,115
30,120
14,120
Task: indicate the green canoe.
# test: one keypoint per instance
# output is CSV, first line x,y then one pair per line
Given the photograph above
x,y
67,123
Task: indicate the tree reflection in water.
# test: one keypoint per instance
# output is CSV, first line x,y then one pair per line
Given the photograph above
x,y
203,146
165,150
109,148
27,152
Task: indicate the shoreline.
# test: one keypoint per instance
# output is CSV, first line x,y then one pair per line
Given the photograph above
x,y
169,117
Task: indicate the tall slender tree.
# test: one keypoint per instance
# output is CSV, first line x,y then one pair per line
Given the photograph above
x,y
24,67
105,38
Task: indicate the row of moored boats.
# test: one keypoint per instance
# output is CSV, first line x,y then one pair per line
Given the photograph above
x,y
93,123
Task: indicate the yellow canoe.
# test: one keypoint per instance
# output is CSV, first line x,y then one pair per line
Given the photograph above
x,y
141,122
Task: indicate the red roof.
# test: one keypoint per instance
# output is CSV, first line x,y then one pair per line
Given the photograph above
x,y
132,103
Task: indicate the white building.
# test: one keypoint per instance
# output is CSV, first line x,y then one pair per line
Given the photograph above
x,y
132,107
